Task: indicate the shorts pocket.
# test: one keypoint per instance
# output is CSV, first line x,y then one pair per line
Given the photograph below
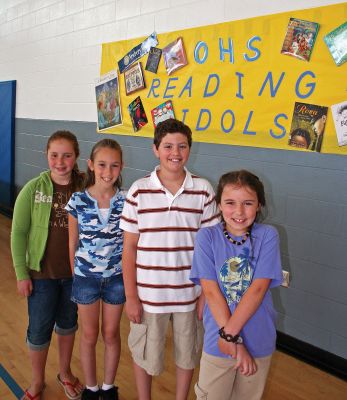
x,y
199,335
200,394
137,340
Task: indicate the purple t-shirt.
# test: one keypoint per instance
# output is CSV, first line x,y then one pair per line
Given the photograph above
x,y
234,268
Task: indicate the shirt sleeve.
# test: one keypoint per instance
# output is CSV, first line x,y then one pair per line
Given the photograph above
x,y
269,260
203,266
128,220
21,223
71,205
210,214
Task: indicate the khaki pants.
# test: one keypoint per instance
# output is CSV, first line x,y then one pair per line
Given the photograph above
x,y
147,340
218,380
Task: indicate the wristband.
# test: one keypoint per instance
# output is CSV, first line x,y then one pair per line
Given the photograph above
x,y
237,339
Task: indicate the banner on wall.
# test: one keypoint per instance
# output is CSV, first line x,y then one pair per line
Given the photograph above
x,y
235,85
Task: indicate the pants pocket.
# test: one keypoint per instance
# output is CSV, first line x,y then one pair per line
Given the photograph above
x,y
137,340
199,336
200,394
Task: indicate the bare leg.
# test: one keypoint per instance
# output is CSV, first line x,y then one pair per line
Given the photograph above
x,y
111,315
183,381
38,360
143,383
65,347
89,317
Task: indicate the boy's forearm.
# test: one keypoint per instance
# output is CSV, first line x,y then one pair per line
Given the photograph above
x,y
129,265
129,277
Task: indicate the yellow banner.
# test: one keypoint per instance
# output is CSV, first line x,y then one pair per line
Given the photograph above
x,y
237,88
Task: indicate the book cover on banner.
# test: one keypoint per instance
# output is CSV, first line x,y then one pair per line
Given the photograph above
x,y
137,52
174,56
134,79
336,41
162,112
339,112
108,101
300,38
307,126
153,59
137,114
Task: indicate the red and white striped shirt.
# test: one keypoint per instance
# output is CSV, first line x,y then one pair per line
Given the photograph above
x,y
167,225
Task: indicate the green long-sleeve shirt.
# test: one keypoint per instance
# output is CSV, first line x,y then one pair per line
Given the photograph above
x,y
30,225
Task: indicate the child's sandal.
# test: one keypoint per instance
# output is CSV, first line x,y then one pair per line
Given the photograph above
x,y
28,396
72,385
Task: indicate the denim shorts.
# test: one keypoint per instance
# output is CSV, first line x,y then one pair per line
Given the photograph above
x,y
50,307
87,290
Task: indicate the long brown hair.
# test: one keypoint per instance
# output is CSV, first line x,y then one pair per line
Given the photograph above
x,y
242,178
104,143
77,177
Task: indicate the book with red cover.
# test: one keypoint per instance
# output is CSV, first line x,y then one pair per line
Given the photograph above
x,y
300,38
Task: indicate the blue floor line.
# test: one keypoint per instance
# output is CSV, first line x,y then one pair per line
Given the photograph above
x,y
11,383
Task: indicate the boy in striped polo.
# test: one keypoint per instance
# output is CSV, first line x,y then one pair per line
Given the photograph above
x,y
162,214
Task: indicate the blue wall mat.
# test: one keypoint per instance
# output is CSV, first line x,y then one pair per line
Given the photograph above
x,y
7,119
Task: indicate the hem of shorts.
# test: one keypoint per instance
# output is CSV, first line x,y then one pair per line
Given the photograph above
x,y
65,332
185,367
38,347
74,300
83,303
114,304
149,372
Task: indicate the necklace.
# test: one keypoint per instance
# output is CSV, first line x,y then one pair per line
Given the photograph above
x,y
233,241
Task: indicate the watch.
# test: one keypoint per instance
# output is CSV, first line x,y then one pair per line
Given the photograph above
x,y
237,339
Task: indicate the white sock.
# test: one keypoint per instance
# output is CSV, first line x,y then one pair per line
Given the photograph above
x,y
105,386
93,388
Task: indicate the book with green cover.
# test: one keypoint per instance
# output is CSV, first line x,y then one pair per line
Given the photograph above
x,y
336,41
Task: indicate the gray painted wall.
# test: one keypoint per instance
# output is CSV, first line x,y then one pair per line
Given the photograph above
x,y
307,202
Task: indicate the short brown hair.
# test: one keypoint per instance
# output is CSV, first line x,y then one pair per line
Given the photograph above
x,y
171,126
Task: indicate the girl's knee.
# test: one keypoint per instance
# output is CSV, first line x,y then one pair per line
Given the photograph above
x,y
89,337
110,336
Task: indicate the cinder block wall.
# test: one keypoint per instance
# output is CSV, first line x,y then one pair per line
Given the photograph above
x,y
53,49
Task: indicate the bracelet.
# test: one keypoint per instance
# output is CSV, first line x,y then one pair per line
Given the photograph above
x,y
237,339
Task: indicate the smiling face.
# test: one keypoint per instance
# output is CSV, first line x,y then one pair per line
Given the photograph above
x,y
107,166
173,152
239,206
61,160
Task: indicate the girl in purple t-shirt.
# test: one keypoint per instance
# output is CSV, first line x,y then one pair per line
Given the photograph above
x,y
236,262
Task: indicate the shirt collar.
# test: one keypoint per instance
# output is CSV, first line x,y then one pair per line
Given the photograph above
x,y
187,183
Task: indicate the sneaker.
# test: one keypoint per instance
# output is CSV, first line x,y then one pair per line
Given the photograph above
x,y
88,394
110,394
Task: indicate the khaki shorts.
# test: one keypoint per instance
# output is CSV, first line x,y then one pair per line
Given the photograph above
x,y
218,380
147,340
